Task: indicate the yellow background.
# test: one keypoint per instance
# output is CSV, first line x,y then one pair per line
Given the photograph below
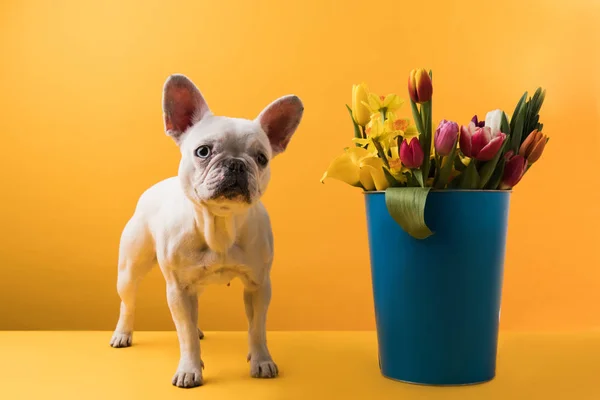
x,y
82,137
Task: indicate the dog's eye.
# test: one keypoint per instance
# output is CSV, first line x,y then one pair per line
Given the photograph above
x,y
203,152
262,160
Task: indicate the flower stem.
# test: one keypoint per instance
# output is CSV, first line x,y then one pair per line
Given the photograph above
x,y
426,138
383,111
438,166
381,153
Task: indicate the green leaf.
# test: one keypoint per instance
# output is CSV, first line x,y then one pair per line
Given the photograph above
x,y
496,176
425,139
537,101
505,126
417,117
445,170
485,172
513,118
470,179
530,112
381,153
541,101
532,118
390,178
407,208
517,131
357,133
458,165
533,123
456,182
418,174
433,167
530,125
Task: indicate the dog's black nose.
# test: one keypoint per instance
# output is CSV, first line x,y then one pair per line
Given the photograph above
x,y
237,166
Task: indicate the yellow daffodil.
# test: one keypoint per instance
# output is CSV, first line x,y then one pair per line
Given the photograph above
x,y
360,95
376,103
410,132
379,134
396,168
389,115
380,130
401,124
358,167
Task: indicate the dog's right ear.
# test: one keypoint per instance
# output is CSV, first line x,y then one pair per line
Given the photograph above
x,y
183,106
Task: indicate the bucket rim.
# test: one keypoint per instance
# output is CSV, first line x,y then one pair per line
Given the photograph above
x,y
507,191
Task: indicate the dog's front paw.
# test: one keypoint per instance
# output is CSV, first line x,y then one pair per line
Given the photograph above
x,y
120,339
262,368
188,379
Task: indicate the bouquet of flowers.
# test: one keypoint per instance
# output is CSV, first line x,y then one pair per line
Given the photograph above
x,y
407,159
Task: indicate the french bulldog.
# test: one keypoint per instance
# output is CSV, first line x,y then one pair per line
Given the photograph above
x,y
207,225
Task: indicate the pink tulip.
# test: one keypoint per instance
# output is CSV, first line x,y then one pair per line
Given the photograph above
x,y
514,169
480,143
445,137
411,154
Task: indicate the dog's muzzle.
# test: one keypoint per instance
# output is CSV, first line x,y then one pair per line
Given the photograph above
x,y
235,181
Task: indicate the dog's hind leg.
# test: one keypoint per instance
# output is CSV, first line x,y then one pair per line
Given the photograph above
x,y
136,257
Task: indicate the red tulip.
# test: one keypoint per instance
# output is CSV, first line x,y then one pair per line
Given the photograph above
x,y
420,87
480,143
514,169
411,153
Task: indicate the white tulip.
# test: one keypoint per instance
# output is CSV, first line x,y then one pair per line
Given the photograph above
x,y
493,119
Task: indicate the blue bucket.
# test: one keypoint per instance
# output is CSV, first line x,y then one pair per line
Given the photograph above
x,y
437,300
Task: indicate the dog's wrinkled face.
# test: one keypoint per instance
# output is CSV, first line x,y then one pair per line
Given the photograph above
x,y
225,162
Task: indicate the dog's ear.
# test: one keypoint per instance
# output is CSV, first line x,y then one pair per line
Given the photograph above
x,y
280,119
183,106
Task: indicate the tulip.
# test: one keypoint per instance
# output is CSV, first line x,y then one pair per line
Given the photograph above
x,y
480,143
420,87
478,124
411,153
533,146
514,169
360,113
445,137
493,119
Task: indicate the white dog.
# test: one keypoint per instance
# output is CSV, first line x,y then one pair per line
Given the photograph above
x,y
207,225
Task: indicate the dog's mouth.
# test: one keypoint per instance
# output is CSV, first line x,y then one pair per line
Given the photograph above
x,y
233,187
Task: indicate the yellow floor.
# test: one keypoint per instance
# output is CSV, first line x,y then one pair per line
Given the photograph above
x,y
313,365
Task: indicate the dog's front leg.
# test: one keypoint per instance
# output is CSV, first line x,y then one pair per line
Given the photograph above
x,y
256,301
189,372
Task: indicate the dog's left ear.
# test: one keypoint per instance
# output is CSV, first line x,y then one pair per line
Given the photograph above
x,y
280,119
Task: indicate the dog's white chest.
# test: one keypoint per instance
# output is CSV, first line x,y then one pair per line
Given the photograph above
x,y
209,268
212,275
